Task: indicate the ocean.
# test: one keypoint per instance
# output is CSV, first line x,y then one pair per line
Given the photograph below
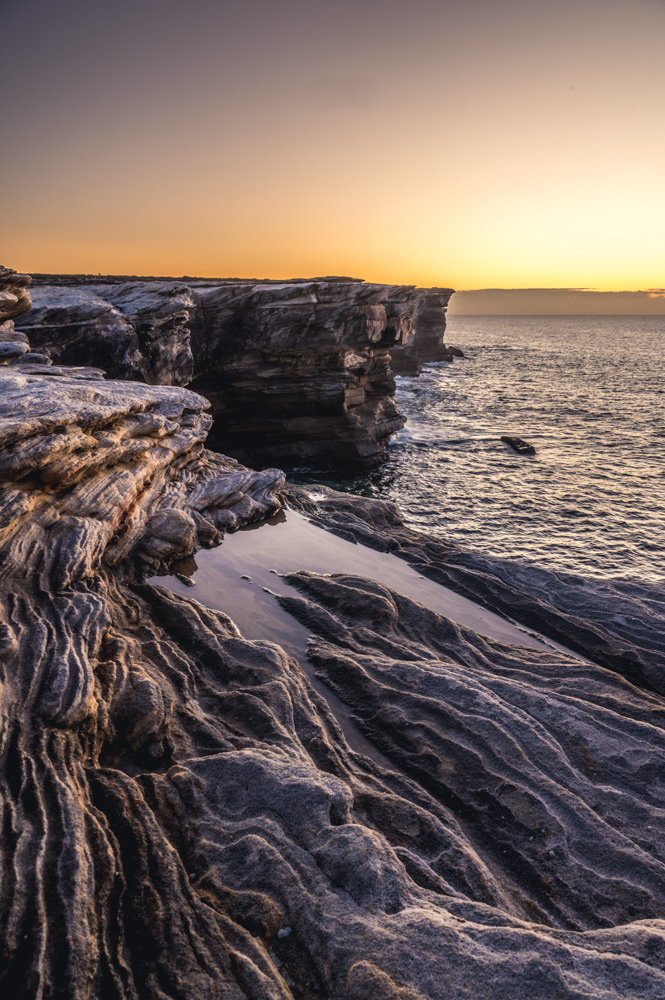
x,y
588,393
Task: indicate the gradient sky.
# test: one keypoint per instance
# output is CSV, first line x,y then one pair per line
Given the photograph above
x,y
474,144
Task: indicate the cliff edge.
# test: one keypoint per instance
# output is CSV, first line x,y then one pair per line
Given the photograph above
x,y
297,372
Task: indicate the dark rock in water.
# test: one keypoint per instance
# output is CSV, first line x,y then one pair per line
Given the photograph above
x,y
297,372
518,445
456,352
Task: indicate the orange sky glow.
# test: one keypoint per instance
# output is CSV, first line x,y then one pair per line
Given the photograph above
x,y
476,145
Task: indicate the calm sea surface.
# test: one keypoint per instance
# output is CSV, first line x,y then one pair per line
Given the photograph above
x,y
589,393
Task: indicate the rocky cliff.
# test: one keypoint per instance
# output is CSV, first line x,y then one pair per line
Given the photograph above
x,y
296,372
424,340
182,814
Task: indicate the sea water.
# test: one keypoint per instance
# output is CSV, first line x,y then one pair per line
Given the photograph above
x,y
588,393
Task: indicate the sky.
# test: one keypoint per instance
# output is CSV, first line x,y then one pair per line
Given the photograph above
x,y
476,144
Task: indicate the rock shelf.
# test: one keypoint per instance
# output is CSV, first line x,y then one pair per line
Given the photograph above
x,y
183,815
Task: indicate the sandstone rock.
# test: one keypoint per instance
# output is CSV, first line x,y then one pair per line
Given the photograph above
x,y
14,296
175,797
14,348
444,705
617,623
300,370
14,301
296,372
424,341
78,327
159,313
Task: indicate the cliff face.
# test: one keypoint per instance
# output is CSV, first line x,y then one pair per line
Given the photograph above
x,y
101,482
182,816
303,368
296,372
424,341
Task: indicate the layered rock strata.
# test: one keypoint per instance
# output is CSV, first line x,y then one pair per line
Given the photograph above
x,y
533,753
137,331
14,302
297,372
618,623
424,341
182,816
302,368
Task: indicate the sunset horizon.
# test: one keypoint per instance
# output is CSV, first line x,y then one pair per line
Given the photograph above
x,y
465,301
475,146
82,265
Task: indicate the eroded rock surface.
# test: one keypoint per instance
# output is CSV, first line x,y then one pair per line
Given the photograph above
x,y
424,341
14,302
296,372
534,753
618,623
131,331
182,816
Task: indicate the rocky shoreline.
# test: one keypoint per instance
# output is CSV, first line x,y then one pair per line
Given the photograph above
x,y
182,813
296,372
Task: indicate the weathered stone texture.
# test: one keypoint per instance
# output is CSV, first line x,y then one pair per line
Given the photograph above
x,y
296,372
182,816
